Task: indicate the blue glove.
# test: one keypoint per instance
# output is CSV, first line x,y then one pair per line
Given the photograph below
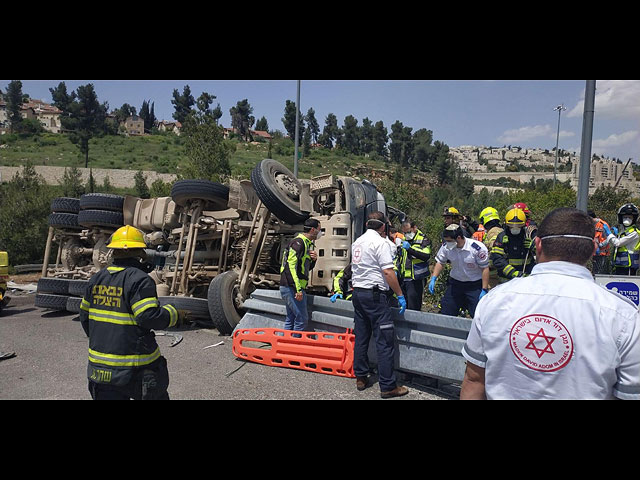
x,y
483,292
615,230
334,296
406,245
403,304
606,229
432,284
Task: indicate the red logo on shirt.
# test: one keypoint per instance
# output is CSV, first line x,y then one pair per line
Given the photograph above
x,y
357,254
541,343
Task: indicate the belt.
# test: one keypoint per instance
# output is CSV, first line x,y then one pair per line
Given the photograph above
x,y
372,289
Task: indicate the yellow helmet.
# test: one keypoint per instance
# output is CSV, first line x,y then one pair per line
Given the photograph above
x,y
450,212
127,237
489,214
515,217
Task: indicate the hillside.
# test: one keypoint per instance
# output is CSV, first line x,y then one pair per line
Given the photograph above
x,y
162,153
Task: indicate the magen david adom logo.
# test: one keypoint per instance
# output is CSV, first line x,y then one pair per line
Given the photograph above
x,y
541,343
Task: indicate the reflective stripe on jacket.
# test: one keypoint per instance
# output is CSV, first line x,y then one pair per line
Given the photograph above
x,y
118,312
296,263
414,262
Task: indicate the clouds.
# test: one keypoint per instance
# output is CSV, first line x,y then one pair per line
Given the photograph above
x,y
615,99
529,133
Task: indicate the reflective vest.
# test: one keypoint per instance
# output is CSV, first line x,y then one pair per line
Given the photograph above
x,y
296,263
411,266
624,257
342,283
118,312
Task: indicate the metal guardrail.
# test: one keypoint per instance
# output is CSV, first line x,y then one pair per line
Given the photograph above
x,y
427,344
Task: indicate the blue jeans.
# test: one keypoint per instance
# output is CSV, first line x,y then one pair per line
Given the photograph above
x,y
297,315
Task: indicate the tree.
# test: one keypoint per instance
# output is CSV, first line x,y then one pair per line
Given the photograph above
x,y
62,99
14,104
395,148
380,138
207,153
26,205
366,137
289,120
87,118
312,125
182,104
262,125
330,131
140,187
350,139
241,118
147,114
72,185
160,189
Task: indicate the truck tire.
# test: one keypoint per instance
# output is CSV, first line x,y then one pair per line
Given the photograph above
x,y
216,194
278,190
73,304
77,287
51,302
197,307
64,221
65,205
58,286
100,218
101,201
224,314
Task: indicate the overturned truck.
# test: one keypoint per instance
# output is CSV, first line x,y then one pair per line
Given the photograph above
x,y
210,244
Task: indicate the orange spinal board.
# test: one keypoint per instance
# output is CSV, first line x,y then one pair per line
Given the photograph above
x,y
321,352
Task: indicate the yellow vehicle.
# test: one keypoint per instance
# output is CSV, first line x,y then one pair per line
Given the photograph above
x,y
4,276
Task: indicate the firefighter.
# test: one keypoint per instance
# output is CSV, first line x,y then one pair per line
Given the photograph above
x,y
452,215
413,264
530,226
627,243
512,253
491,220
118,312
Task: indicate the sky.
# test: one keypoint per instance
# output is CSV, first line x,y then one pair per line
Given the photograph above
x,y
458,112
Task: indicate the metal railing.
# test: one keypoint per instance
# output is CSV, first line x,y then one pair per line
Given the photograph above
x,y
427,344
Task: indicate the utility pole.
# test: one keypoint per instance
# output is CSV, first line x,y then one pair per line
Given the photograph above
x,y
559,108
295,158
585,148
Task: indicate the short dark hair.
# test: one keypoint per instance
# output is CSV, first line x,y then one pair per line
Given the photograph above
x,y
567,221
376,220
453,233
311,223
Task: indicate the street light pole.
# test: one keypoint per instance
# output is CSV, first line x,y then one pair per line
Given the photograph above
x,y
559,108
295,159
585,147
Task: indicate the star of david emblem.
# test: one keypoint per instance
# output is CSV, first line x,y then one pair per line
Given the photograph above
x,y
540,351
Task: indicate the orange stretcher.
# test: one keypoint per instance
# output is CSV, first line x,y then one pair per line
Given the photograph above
x,y
321,352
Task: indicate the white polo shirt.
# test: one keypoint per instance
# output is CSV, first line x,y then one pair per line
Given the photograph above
x,y
370,254
556,335
466,262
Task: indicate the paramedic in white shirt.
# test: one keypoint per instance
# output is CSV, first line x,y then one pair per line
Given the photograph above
x,y
555,334
469,276
374,282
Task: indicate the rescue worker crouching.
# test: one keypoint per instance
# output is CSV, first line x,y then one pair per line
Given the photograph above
x,y
413,264
118,312
512,253
342,287
626,258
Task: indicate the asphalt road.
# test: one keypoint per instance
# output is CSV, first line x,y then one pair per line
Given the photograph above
x,y
51,364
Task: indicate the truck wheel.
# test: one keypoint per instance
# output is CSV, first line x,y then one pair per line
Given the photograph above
x,y
77,287
222,308
58,286
279,190
64,221
197,307
216,194
101,201
51,302
65,205
100,218
73,304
